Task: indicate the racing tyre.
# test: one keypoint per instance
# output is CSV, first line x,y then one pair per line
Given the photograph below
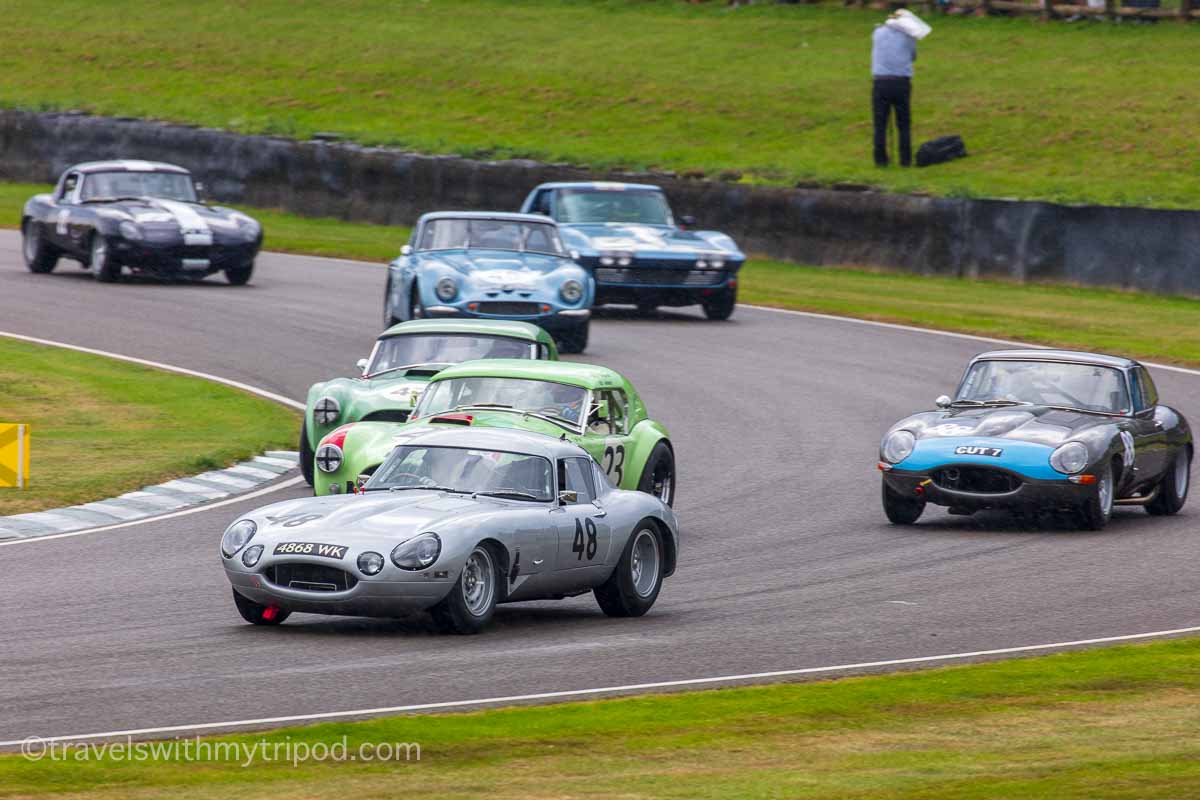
x,y
472,602
253,612
1094,513
101,261
574,340
634,585
720,306
388,319
40,255
306,455
658,477
901,510
239,276
1173,489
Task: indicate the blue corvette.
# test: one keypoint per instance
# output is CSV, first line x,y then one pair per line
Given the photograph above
x,y
491,266
625,234
1038,430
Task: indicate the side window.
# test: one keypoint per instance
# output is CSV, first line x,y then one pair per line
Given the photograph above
x,y
1135,384
541,203
1149,392
618,413
543,351
68,191
603,484
575,475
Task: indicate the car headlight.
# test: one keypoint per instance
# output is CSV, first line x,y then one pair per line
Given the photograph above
x,y
329,458
236,536
370,563
716,263
607,261
1070,458
701,263
571,290
624,261
897,446
130,230
252,555
247,225
327,410
417,553
446,288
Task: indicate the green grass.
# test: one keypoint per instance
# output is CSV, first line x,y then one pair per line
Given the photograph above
x,y
1098,112
1102,724
102,427
1140,325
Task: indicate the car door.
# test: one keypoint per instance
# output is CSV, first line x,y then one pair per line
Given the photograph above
x,y
610,436
58,227
1149,438
584,534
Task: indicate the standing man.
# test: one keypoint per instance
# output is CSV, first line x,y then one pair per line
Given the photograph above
x,y
893,51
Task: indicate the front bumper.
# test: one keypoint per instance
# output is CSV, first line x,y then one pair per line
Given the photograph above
x,y
548,316
377,596
172,258
1029,493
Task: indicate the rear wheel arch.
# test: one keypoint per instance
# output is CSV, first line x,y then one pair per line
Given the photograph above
x,y
670,551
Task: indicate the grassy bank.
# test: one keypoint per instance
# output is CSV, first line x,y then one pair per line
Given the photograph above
x,y
1097,112
1111,723
102,427
1129,323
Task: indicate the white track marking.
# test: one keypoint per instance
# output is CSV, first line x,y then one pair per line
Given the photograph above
x,y
245,387
160,518
931,332
603,690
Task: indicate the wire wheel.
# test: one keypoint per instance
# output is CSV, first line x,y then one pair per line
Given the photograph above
x,y
478,582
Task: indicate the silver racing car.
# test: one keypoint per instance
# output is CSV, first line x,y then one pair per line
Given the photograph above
x,y
456,521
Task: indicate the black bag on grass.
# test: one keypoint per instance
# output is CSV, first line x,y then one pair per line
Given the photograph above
x,y
941,150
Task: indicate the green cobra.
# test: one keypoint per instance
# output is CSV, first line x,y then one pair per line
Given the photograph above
x,y
593,406
405,357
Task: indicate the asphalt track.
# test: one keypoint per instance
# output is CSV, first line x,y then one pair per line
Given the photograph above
x,y
786,562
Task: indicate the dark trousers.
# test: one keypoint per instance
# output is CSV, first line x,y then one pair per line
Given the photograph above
x,y
890,94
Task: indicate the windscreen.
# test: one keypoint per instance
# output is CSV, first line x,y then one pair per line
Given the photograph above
x,y
490,234
161,185
514,475
1083,386
609,205
557,401
412,349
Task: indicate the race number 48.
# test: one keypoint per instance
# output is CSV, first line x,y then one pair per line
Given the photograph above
x,y
584,544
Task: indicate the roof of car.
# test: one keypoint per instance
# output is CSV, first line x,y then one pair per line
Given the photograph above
x,y
615,186
506,216
483,327
127,165
588,376
513,440
1073,356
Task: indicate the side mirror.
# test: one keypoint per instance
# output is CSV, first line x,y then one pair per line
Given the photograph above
x,y
406,250
687,221
566,497
574,255
362,365
943,401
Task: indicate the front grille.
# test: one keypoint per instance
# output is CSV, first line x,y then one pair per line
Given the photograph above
x,y
311,577
388,415
509,309
977,480
661,277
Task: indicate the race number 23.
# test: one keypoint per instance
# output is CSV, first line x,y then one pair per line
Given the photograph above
x,y
614,463
584,545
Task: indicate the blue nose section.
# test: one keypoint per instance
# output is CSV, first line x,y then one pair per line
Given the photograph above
x,y
1026,458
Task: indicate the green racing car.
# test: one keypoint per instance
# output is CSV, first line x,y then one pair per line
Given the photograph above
x,y
593,406
400,366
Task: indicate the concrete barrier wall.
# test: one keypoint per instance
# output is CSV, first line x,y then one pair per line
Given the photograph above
x,y
1148,249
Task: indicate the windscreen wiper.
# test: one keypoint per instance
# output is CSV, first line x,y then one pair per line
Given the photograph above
x,y
515,494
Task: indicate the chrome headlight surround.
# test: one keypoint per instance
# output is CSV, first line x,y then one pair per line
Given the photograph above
x,y
329,458
571,291
131,231
251,555
236,536
370,563
1070,458
446,289
897,446
418,553
327,410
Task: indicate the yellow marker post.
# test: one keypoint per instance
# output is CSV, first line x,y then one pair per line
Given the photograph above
x,y
14,455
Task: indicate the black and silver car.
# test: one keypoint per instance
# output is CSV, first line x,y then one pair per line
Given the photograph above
x,y
1037,430
143,216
